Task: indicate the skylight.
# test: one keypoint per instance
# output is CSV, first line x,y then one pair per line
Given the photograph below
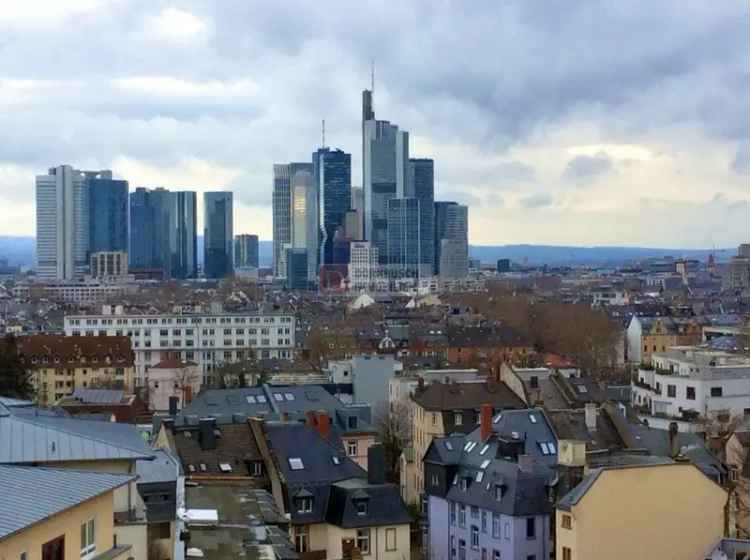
x,y
336,460
480,476
202,467
225,467
547,447
582,389
497,418
484,449
448,445
278,396
250,399
261,398
484,464
472,445
466,447
532,417
289,396
296,464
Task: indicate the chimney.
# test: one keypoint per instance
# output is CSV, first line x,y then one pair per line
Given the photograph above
x,y
376,464
207,435
591,413
526,463
674,447
188,394
311,420
485,421
324,424
174,407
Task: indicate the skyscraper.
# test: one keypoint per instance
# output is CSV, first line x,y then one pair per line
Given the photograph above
x,y
163,232
451,239
246,251
333,181
305,231
62,222
108,214
282,212
385,157
183,235
358,206
218,234
404,237
422,187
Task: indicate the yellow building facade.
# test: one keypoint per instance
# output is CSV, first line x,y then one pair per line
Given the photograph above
x,y
667,512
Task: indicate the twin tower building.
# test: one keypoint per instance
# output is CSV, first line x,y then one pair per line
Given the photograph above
x,y
391,228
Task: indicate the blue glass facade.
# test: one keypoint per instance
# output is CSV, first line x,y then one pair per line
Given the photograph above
x,y
422,187
403,236
108,214
333,181
296,269
183,238
218,236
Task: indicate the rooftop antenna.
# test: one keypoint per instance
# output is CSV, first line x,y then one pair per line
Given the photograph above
x,y
372,76
323,133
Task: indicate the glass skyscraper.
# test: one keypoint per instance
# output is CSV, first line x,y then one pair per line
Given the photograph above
x,y
421,185
451,239
333,182
163,232
404,237
108,214
218,234
282,212
246,251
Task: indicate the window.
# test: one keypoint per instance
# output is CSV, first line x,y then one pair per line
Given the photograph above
x,y
453,546
672,391
567,553
495,554
88,538
484,449
363,540
304,505
474,537
296,464
496,525
474,512
690,393
434,418
531,557
498,492
361,506
532,418
302,538
453,513
390,539
351,447
716,391
530,528
458,418
507,530
461,515
484,554
567,522
434,481
461,549
257,468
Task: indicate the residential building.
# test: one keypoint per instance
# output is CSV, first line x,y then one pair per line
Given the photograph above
x,y
644,498
218,234
439,409
488,492
737,453
451,240
646,335
209,339
163,232
108,214
333,183
53,514
495,344
246,251
369,375
689,384
87,291
173,379
61,364
385,169
127,408
108,264
62,222
283,175
335,508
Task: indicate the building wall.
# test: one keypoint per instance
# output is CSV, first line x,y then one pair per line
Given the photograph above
x,y
363,443
329,538
53,383
671,511
426,425
164,383
371,375
67,524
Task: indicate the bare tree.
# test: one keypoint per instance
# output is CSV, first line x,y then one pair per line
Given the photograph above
x,y
394,425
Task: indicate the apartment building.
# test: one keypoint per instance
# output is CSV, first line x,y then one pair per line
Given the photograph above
x,y
646,335
61,364
687,383
208,339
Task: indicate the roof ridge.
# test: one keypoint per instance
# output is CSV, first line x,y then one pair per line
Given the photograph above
x,y
70,433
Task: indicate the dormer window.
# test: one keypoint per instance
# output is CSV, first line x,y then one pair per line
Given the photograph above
x,y
464,484
458,418
304,504
362,507
498,492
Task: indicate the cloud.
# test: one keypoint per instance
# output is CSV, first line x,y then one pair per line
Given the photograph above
x,y
538,200
583,167
741,162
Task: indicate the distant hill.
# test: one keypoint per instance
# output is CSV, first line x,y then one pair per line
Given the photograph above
x,y
22,251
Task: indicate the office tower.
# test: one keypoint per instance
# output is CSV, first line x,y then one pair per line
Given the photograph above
x,y
282,212
108,214
451,239
246,251
62,222
108,264
183,234
218,234
403,237
358,207
333,181
305,229
297,269
363,265
385,157
421,185
163,232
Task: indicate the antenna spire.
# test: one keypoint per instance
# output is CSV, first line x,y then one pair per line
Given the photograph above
x,y
323,133
372,76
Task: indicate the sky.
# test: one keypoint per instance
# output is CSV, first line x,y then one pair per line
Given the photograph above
x,y
557,121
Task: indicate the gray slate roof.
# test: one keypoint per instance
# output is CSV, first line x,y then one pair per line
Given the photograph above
x,y
33,494
28,438
99,396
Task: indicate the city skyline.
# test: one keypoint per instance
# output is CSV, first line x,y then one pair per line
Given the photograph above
x,y
566,143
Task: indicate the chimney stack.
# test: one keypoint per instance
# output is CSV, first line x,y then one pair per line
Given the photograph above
x,y
207,435
674,447
376,464
324,424
173,406
311,421
591,413
485,421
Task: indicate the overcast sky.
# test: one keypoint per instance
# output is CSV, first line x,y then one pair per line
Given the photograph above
x,y
558,122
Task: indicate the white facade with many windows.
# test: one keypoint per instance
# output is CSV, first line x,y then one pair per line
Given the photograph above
x,y
208,339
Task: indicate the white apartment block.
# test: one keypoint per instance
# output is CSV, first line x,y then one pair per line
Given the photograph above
x,y
687,381
82,292
208,339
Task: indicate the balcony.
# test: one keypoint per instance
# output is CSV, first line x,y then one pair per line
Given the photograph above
x,y
129,517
